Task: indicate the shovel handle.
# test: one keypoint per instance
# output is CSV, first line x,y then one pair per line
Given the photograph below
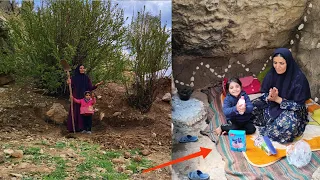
x,y
70,90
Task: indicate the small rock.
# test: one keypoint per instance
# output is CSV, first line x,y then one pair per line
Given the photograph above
x,y
126,155
23,165
17,154
16,175
2,158
8,151
102,170
159,143
120,169
137,158
153,135
145,152
101,116
116,114
99,97
166,97
128,172
41,151
117,161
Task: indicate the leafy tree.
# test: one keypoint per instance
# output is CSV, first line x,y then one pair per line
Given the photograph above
x,y
82,32
150,49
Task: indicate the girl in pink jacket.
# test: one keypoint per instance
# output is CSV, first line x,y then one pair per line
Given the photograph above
x,y
86,110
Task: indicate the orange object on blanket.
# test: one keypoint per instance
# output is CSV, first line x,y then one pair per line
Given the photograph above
x,y
313,107
257,157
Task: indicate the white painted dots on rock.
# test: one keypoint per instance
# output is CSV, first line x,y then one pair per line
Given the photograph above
x,y
316,99
310,5
176,81
270,57
305,18
297,36
291,42
201,63
300,27
229,66
238,62
193,73
212,70
243,65
192,78
208,66
191,84
215,73
264,65
226,70
187,85
247,69
182,83
318,45
219,76
197,67
308,12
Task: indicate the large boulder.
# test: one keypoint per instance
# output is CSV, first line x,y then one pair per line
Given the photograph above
x,y
57,113
225,38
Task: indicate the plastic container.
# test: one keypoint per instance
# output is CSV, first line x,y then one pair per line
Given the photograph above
x,y
242,102
299,154
237,140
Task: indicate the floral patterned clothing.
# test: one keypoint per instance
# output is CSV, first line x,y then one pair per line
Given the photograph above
x,y
288,125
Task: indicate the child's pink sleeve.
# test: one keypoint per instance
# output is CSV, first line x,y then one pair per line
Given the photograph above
x,y
76,100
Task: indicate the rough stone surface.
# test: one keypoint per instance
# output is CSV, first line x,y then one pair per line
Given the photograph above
x,y
209,36
57,113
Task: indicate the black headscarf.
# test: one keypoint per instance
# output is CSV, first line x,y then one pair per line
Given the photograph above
x,y
80,83
292,84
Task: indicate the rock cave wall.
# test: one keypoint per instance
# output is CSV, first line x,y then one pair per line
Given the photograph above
x,y
225,38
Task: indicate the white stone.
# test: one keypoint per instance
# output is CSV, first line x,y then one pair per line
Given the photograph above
x,y
182,83
212,70
247,69
308,12
316,99
226,70
197,67
305,18
263,68
253,75
243,65
297,36
215,73
187,84
300,27
318,45
229,66
310,5
223,75
191,84
290,49
192,78
207,66
201,63
264,65
301,39
176,81
291,42
270,57
193,73
219,76
238,62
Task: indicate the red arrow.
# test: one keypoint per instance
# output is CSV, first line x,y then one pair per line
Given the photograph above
x,y
203,152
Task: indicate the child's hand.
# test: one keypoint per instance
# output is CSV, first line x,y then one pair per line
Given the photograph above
x,y
92,95
71,97
99,83
68,81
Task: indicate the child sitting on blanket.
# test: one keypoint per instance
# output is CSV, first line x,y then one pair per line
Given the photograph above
x,y
237,114
86,110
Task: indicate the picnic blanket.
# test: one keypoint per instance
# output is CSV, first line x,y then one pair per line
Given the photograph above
x,y
237,166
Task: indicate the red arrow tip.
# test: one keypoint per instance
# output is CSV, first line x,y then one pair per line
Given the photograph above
x,y
205,151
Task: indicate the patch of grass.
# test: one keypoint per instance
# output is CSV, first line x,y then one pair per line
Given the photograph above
x,y
59,172
134,166
32,151
134,151
112,154
116,176
60,145
6,146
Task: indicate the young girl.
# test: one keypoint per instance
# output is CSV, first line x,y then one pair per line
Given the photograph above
x,y
237,113
86,110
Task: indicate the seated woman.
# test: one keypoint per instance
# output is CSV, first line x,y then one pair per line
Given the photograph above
x,y
281,111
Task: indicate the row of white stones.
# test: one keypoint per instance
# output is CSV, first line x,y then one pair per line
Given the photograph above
x,y
191,83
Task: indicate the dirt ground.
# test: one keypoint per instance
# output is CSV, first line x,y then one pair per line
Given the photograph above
x,y
22,120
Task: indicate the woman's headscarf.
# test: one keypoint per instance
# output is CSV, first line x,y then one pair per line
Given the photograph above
x,y
80,82
292,84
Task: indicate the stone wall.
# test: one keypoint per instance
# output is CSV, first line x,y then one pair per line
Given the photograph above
x,y
216,39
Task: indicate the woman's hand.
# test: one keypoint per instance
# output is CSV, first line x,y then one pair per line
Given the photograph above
x,y
99,83
274,95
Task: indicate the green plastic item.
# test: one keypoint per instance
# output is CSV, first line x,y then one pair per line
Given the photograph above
x,y
263,74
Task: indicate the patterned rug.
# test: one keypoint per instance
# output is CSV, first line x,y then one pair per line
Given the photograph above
x,y
237,166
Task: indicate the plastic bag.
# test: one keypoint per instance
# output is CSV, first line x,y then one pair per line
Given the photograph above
x,y
299,154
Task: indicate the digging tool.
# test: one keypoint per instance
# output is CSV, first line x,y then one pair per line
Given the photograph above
x,y
67,68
